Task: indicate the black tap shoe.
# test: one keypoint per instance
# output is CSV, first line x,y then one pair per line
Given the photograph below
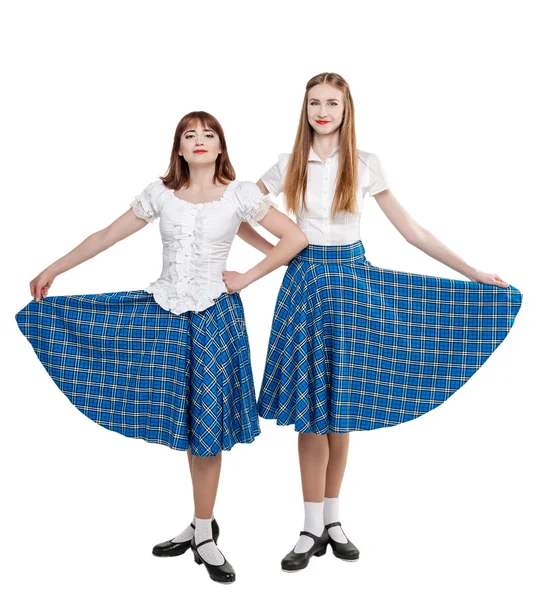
x,y
223,573
296,561
345,551
171,548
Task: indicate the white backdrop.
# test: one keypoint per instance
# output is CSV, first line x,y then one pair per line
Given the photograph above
x,y
440,507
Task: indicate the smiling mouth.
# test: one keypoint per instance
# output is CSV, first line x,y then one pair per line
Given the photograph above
x,y
322,122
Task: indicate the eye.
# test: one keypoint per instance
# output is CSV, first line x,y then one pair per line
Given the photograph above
x,y
210,135
313,102
334,103
188,136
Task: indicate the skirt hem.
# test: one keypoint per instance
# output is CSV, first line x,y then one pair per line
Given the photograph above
x,y
178,446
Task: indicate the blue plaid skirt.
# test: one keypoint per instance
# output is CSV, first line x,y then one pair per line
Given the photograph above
x,y
355,347
184,381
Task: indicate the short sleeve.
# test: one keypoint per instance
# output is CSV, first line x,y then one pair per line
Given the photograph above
x,y
378,180
147,204
250,202
274,178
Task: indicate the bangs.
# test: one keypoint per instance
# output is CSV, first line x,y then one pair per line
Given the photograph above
x,y
203,120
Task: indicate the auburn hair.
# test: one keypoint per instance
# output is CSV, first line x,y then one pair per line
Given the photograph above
x,y
177,174
296,179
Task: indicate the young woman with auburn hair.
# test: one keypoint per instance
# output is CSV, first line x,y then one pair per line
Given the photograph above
x,y
170,364
354,346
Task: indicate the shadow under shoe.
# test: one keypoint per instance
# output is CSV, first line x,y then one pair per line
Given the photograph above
x,y
171,548
343,550
223,573
296,561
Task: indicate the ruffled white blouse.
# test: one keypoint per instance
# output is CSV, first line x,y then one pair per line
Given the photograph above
x,y
316,222
196,240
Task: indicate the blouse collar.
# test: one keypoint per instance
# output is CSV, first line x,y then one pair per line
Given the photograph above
x,y
314,156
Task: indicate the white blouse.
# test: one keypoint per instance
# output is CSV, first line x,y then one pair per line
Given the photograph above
x,y
196,240
316,222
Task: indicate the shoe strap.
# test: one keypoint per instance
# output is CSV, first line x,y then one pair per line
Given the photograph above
x,y
204,561
336,524
193,526
311,535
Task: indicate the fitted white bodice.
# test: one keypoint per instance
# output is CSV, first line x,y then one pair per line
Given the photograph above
x,y
196,240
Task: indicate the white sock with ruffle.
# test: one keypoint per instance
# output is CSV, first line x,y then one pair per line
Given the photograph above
x,y
209,552
187,534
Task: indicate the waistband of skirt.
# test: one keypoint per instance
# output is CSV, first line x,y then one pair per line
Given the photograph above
x,y
341,253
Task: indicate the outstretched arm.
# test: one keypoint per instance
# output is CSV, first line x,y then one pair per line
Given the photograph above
x,y
97,242
424,240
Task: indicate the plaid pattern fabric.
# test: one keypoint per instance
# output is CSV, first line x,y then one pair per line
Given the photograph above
x,y
184,381
354,346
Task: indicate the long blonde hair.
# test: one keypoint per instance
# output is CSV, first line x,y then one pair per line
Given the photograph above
x,y
296,179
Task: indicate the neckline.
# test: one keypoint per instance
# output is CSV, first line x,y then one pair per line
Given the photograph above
x,y
230,184
314,156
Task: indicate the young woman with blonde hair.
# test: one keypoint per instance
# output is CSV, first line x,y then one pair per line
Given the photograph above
x,y
354,346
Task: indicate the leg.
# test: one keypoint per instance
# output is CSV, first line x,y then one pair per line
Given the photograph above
x,y
181,543
313,451
188,533
338,455
205,473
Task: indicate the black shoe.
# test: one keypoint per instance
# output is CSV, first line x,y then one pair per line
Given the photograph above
x,y
296,561
344,551
223,573
171,548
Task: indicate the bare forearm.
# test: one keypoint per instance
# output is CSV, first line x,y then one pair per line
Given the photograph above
x,y
280,254
424,240
249,235
91,246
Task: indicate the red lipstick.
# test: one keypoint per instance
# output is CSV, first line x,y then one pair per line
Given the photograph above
x,y
199,151
322,122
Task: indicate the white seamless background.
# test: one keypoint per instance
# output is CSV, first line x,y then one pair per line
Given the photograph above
x,y
440,507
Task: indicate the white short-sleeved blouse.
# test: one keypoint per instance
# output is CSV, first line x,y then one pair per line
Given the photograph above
x,y
316,222
196,240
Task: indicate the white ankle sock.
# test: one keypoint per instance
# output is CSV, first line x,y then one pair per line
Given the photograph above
x,y
209,552
187,534
313,522
331,515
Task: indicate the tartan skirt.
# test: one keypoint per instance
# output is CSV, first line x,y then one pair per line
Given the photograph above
x,y
184,381
358,347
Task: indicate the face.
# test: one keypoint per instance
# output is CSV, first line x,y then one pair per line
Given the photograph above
x,y
199,145
325,108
